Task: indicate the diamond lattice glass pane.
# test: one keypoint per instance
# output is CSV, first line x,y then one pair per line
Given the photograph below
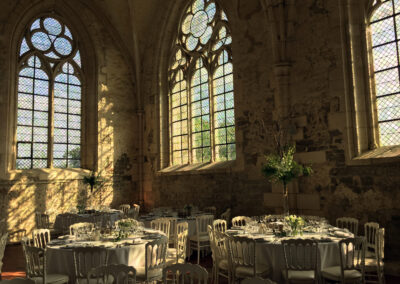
x,y
52,26
383,32
74,136
74,107
62,78
27,72
77,58
74,163
191,42
25,85
24,150
229,101
220,136
60,120
41,41
40,151
24,117
40,134
387,82
24,133
74,122
230,132
60,151
388,108
60,105
221,152
205,122
219,119
60,90
25,101
22,164
230,117
60,163
231,151
60,135
74,80
384,10
74,152
205,107
41,103
219,103
206,154
63,46
385,56
40,118
24,47
389,133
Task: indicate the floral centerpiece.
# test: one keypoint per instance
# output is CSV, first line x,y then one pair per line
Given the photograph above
x,y
125,227
296,224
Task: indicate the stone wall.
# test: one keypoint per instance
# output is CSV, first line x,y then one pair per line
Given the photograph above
x,y
22,193
367,190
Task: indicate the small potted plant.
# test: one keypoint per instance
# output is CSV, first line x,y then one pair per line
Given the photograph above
x,y
296,224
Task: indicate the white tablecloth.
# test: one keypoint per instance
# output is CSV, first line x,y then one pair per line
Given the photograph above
x,y
63,221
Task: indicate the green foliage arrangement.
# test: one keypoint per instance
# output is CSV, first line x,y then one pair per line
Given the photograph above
x,y
282,168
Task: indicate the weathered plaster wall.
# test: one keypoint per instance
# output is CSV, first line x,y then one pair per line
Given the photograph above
x,y
55,191
369,192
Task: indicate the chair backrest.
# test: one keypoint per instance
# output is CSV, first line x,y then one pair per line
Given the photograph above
x,y
42,220
172,228
256,280
226,215
202,223
348,223
242,252
370,231
155,256
121,274
125,208
35,260
210,209
161,224
87,258
380,244
18,281
352,255
240,221
40,237
80,228
181,246
185,273
220,225
16,236
134,211
3,242
220,243
300,254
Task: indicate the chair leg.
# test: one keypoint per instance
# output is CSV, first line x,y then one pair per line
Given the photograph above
x,y
198,253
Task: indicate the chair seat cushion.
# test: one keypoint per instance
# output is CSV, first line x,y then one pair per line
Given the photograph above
x,y
334,273
152,274
201,238
246,271
223,264
52,278
299,275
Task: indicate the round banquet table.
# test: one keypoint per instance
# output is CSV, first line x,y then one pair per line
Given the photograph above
x,y
269,252
130,251
63,221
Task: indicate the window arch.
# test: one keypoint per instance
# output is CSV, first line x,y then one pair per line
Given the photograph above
x,y
201,95
384,25
49,96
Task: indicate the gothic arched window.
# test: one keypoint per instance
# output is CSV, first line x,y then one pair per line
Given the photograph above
x,y
201,97
385,44
49,97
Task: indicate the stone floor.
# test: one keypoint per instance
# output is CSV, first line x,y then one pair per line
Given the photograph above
x,y
14,265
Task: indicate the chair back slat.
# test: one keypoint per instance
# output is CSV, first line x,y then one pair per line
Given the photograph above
x,y
121,274
242,252
87,258
220,225
352,254
40,237
181,246
35,260
202,223
370,232
161,224
300,254
348,223
155,255
240,221
185,273
42,220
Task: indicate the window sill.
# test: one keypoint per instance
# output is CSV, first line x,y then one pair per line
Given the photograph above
x,y
200,168
48,174
382,155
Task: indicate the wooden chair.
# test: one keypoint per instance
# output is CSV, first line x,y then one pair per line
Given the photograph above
x,y
374,266
134,211
240,221
242,255
125,209
301,258
36,266
178,253
18,281
15,237
352,261
78,229
370,232
219,251
257,280
41,237
220,225
172,230
42,220
161,224
185,273
155,261
112,274
348,223
87,258
200,241
3,243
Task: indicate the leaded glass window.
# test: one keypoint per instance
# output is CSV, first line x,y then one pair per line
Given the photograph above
x,y
385,31
201,95
49,97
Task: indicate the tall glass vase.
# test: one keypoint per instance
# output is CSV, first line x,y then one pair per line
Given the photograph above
x,y
285,199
